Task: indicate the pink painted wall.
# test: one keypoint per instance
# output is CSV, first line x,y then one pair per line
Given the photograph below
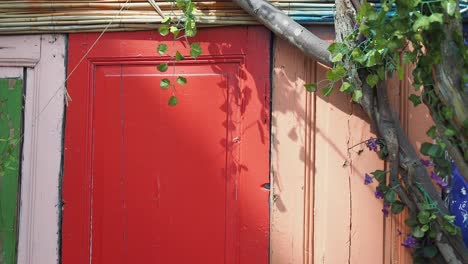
x,y
321,211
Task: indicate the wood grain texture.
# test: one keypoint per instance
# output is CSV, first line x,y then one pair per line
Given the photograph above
x,y
321,210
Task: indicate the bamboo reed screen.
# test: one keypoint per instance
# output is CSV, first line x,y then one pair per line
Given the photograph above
x,y
59,16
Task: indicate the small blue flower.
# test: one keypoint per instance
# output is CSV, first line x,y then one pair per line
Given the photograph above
x,y
410,242
372,144
379,194
368,179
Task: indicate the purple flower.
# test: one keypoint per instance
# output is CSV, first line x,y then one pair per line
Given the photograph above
x,y
368,179
426,163
410,242
372,144
385,209
356,26
442,184
379,194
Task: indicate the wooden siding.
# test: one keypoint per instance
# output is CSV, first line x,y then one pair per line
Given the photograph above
x,y
321,210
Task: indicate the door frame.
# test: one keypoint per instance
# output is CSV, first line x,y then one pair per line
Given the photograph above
x,y
42,58
254,149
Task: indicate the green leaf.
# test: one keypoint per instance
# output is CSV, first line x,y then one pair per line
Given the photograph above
x,y
417,232
162,49
422,22
449,132
449,218
327,90
390,196
424,217
163,30
357,95
425,228
397,207
163,67
372,80
411,222
379,175
173,101
337,48
432,150
415,99
373,57
432,132
181,80
166,20
409,57
178,56
174,30
429,251
165,83
450,7
447,112
195,50
338,57
345,87
336,73
190,28
311,87
400,71
436,18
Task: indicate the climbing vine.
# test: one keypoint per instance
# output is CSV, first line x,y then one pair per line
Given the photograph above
x,y
382,41
181,26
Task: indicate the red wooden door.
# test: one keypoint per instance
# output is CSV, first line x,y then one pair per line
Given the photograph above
x,y
148,183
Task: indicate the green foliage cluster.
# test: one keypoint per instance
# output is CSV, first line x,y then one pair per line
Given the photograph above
x,y
181,27
404,32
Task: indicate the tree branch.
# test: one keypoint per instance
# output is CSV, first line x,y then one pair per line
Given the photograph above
x,y
283,26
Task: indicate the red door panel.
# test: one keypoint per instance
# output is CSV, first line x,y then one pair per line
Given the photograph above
x,y
148,183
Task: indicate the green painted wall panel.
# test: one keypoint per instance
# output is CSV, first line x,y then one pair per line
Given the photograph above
x,y
11,104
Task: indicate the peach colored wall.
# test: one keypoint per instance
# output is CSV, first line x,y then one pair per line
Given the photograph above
x,y
321,212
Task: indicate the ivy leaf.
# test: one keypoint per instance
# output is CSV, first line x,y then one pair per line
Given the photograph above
x,y
163,30
181,80
345,87
447,112
337,58
390,196
174,30
432,132
400,71
379,175
372,80
162,49
190,28
411,222
165,83
178,56
163,67
432,150
425,228
449,132
397,207
357,95
417,232
415,99
424,217
173,101
311,87
450,7
338,48
409,57
326,91
195,50
429,251
166,20
336,73
422,22
373,57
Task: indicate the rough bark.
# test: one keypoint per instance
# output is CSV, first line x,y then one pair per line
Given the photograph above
x,y
283,26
